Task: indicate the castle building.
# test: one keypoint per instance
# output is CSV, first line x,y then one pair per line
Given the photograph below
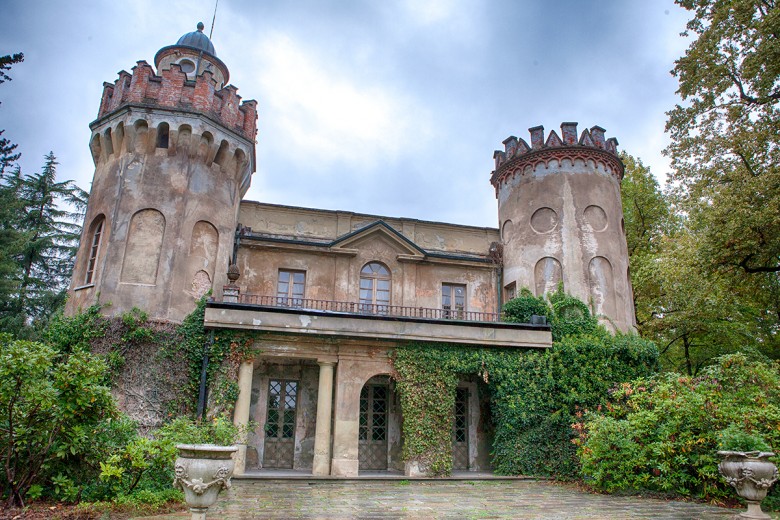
x,y
332,292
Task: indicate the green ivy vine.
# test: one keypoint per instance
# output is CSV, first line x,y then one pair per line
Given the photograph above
x,y
182,346
535,396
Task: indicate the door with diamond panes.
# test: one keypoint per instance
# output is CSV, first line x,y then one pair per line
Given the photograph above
x,y
372,436
460,431
280,424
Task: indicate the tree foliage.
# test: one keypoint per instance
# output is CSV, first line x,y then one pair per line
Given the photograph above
x,y
693,313
725,136
705,254
39,238
8,153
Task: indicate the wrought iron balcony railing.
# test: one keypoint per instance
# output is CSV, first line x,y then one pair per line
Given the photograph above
x,y
366,308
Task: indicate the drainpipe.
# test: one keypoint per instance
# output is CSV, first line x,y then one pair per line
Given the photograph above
x,y
500,293
201,412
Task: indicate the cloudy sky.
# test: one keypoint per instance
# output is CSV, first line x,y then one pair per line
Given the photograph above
x,y
391,108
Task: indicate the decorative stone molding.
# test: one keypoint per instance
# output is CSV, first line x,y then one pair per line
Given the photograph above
x,y
182,480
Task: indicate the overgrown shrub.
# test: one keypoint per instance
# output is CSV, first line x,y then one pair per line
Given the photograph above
x,y
63,436
52,401
661,434
534,395
145,464
520,309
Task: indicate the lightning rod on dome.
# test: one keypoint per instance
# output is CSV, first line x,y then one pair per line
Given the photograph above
x,y
213,18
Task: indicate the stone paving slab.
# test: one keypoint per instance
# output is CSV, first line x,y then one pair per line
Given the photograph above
x,y
477,500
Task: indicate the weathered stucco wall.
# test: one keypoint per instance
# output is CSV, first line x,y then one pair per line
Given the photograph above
x,y
561,219
321,224
332,262
169,209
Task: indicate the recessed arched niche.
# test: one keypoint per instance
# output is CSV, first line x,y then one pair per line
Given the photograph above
x,y
548,273
119,138
163,135
602,286
141,128
96,148
109,144
205,242
507,231
239,159
222,154
184,138
206,140
144,245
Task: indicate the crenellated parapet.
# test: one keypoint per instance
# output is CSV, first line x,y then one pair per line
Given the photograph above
x,y
591,147
171,89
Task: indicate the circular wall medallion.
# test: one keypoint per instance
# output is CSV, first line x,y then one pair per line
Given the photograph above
x,y
544,220
596,218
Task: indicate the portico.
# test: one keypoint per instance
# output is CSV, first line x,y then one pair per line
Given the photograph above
x,y
319,389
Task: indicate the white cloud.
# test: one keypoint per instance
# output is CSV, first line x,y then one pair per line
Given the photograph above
x,y
324,111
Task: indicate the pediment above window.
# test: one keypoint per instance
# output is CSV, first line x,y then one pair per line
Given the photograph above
x,y
366,235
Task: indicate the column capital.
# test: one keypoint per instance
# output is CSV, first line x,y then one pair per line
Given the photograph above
x,y
327,362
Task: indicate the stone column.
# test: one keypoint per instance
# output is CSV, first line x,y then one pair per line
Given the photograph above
x,y
241,413
346,418
324,407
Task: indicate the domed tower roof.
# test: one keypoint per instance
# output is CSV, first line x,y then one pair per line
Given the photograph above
x,y
198,40
193,51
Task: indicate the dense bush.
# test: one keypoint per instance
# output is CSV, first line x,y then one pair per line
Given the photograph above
x,y
534,395
61,434
662,434
566,314
144,465
520,309
52,402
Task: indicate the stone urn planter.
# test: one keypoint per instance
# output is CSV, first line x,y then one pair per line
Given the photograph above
x,y
751,474
202,471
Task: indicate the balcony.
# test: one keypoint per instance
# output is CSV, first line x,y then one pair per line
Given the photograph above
x,y
353,320
397,311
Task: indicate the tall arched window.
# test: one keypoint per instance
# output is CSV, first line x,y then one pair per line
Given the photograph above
x,y
96,232
375,288
162,135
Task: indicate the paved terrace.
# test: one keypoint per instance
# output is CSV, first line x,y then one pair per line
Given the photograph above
x,y
339,499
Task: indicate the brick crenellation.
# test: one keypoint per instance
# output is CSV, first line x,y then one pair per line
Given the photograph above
x,y
171,89
591,138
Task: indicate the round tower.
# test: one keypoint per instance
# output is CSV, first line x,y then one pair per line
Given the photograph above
x,y
174,152
561,220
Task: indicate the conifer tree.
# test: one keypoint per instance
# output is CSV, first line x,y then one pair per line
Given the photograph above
x,y
43,240
8,153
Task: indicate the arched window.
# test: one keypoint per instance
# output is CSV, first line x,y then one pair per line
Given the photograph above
x,y
162,135
375,288
109,143
222,153
96,232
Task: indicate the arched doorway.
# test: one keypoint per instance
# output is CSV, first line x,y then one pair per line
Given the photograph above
x,y
379,427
